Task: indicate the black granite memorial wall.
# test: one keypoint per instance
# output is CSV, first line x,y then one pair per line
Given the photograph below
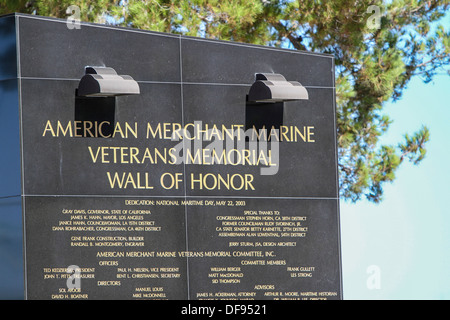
x,y
139,196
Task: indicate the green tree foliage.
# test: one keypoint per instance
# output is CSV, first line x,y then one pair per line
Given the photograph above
x,y
378,47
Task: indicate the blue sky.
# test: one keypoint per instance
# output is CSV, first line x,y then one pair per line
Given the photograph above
x,y
406,237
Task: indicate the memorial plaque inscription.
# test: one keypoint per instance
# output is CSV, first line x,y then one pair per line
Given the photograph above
x,y
185,190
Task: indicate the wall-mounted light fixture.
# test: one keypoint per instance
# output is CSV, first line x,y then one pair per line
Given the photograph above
x,y
273,87
105,82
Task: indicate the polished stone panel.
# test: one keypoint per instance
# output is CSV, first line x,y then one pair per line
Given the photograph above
x,y
8,54
270,253
10,139
42,40
238,63
303,171
11,244
72,161
108,254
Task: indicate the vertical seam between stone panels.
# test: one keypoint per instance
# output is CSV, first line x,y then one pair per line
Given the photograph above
x,y
19,89
184,172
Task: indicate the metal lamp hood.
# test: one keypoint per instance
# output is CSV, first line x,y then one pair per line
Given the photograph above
x,y
105,82
273,87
